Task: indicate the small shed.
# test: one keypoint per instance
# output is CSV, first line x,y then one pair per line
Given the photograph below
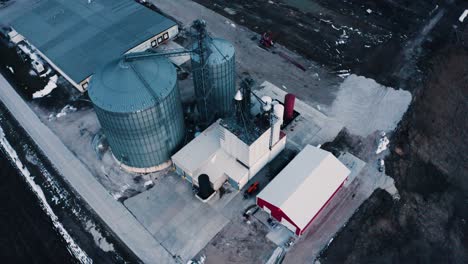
x,y
303,188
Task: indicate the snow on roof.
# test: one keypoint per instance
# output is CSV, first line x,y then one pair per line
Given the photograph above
x,y
204,155
196,153
302,188
221,166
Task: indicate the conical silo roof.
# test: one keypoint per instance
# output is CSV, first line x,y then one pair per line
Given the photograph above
x,y
219,50
129,86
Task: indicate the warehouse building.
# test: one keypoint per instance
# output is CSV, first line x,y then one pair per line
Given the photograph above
x,y
303,188
78,37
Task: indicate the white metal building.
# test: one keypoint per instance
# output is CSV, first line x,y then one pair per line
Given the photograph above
x,y
303,188
224,156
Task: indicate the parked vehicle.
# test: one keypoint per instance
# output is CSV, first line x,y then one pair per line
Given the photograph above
x,y
252,190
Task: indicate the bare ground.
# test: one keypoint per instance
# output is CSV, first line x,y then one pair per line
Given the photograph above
x,y
365,37
239,243
428,224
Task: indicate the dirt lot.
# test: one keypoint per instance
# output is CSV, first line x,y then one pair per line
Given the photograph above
x,y
428,224
239,243
365,37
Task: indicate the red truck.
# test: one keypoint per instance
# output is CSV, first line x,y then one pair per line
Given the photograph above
x,y
253,188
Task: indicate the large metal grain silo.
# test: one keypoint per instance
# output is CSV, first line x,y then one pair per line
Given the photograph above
x,y
139,108
214,77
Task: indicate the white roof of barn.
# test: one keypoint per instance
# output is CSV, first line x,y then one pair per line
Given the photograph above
x,y
302,188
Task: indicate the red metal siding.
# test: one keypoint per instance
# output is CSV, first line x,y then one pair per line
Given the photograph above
x,y
289,100
278,214
328,201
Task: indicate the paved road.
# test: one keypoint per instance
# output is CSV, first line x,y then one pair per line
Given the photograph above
x,y
113,213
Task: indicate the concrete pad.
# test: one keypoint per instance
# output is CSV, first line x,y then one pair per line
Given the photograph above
x,y
197,229
237,204
159,200
219,203
354,164
171,213
302,131
280,235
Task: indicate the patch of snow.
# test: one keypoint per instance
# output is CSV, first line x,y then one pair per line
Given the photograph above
x,y
343,73
369,11
51,85
383,143
335,28
199,261
381,162
10,69
230,23
330,241
463,16
99,239
230,11
67,109
326,21
26,49
433,10
364,106
49,70
342,39
270,2
117,196
74,249
149,184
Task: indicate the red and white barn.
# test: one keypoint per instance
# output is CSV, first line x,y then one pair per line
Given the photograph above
x,y
303,188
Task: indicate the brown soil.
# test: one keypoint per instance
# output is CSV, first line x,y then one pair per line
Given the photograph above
x,y
429,223
239,243
371,41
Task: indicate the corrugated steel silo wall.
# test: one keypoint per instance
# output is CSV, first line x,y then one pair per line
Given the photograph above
x,y
220,81
145,138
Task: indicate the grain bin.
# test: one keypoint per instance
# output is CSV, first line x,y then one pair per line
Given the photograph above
x,y
139,108
214,78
